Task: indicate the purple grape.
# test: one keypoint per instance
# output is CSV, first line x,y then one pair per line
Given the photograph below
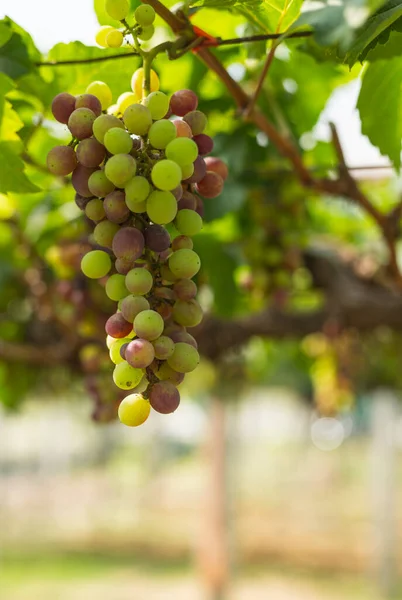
x,y
117,326
178,192
79,180
62,106
183,102
123,349
122,265
211,185
157,238
200,207
90,153
164,397
116,208
188,201
128,243
217,166
205,143
89,101
80,123
61,160
200,170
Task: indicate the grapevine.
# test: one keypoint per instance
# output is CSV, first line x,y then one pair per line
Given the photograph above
x,y
141,173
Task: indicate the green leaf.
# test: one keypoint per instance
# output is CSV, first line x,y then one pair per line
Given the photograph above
x,y
14,57
380,107
5,33
6,85
387,45
12,176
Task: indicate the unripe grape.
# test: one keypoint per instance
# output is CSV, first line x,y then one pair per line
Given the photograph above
x,y
80,123
138,119
185,289
90,153
117,9
99,185
116,287
217,166
211,185
61,160
166,373
183,101
144,15
102,91
94,210
166,174
139,281
184,336
164,397
137,190
182,241
128,243
161,207
120,168
114,351
157,238
100,37
62,106
164,347
96,264
148,324
126,377
146,33
186,171
196,120
103,123
132,305
104,233
188,222
80,178
161,133
89,101
125,100
137,207
184,263
114,39
115,207
185,358
167,274
134,410
118,141
138,79
187,313
182,150
117,326
140,353
158,104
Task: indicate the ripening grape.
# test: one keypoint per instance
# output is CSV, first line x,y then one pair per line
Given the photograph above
x,y
166,174
126,377
61,160
205,143
177,192
158,104
196,120
125,100
96,264
139,281
157,238
80,123
94,210
164,397
116,287
188,200
182,150
138,119
117,9
166,373
200,207
128,243
184,359
118,141
100,37
80,179
148,324
120,168
146,33
144,15
184,263
161,207
137,190
114,350
114,38
163,347
117,326
102,91
140,353
138,79
80,201
123,266
103,123
99,185
187,313
217,166
62,106
184,336
188,222
182,128
161,133
211,185
90,153
132,305
182,102
134,410
200,170
182,241
115,207
104,233
167,274
185,289
89,101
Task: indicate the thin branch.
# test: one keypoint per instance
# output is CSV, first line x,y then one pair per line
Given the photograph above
x,y
264,72
83,61
262,38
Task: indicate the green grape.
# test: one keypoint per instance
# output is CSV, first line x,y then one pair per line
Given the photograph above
x,y
188,222
148,325
96,264
161,133
182,150
137,190
167,274
125,100
126,377
102,91
134,410
185,358
166,373
161,207
114,39
117,9
144,15
164,347
131,306
114,351
104,233
139,281
116,287
103,123
138,207
100,37
94,210
118,141
158,104
166,174
109,341
120,169
99,185
182,241
184,263
187,313
138,119
146,33
187,171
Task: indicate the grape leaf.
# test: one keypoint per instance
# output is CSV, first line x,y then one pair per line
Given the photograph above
x,y
5,33
380,107
14,57
6,85
12,176
385,46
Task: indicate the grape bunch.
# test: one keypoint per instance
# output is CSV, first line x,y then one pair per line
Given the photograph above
x,y
140,175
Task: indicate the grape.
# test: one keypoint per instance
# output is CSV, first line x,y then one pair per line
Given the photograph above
x,y
200,207
123,265
104,233
144,15
114,38
187,171
158,104
62,106
200,170
161,133
100,37
102,91
217,166
148,324
80,201
134,410
166,174
61,160
211,185
166,373
89,101
128,243
140,353
172,327
96,264
94,210
103,123
184,359
120,169
205,144
178,192
165,254
167,274
187,201
163,347
115,207
90,153
165,311
138,79
99,185
164,397
183,336
182,128
126,377
197,121
184,263
137,190
161,207
115,347
183,102
185,289
138,207
79,180
132,306
187,313
117,326
116,287
182,241
80,123
188,222
157,238
139,281
118,141
138,119
146,33
125,100
117,9
182,150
